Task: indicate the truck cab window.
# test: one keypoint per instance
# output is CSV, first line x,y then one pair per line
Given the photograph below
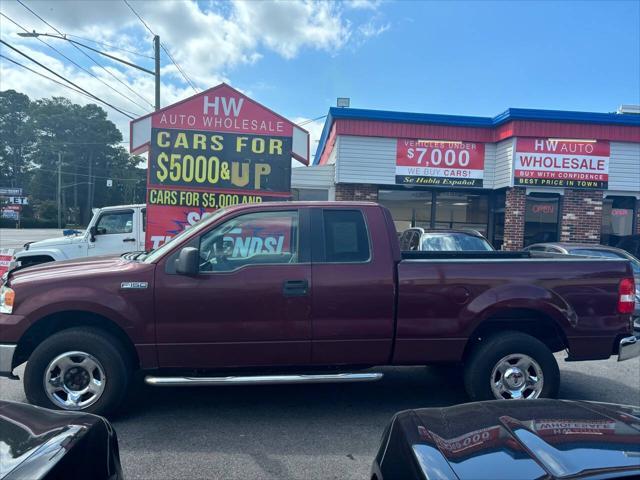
x,y
345,236
115,222
251,239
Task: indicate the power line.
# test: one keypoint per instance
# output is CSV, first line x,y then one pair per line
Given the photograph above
x,y
44,76
77,65
179,68
109,45
93,176
311,120
93,60
67,80
182,72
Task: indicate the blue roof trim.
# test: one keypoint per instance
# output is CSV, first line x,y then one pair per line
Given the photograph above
x,y
467,121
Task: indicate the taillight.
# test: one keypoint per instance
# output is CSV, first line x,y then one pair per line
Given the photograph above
x,y
626,295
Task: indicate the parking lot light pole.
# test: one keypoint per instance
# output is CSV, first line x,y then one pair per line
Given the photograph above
x,y
156,51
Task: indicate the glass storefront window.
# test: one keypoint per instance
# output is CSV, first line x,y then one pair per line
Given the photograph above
x,y
462,210
541,218
617,219
408,209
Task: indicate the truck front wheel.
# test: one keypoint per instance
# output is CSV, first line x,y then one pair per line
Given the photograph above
x,y
511,365
80,369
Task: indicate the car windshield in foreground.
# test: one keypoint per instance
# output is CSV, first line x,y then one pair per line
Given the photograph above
x,y
461,242
156,254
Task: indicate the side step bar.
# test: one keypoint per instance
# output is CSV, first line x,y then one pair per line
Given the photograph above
x,y
261,379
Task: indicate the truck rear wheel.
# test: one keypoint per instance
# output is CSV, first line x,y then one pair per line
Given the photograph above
x,y
79,369
511,365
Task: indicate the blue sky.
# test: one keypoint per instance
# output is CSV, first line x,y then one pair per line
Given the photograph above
x,y
475,58
296,57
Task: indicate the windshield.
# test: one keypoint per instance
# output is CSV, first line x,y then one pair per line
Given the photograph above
x,y
445,242
156,254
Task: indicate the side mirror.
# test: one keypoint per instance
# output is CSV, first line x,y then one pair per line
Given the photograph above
x,y
187,262
93,231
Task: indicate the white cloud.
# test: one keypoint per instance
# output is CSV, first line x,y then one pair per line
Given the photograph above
x,y
372,29
363,4
207,41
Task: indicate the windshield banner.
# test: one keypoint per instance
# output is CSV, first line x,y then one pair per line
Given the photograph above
x,y
439,163
546,162
170,217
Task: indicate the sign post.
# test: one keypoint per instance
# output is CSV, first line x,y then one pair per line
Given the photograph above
x,y
212,150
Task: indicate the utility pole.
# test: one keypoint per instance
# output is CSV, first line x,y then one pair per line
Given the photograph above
x,y
59,189
156,50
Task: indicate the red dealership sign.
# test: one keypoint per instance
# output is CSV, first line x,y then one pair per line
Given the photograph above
x,y
561,163
212,150
439,163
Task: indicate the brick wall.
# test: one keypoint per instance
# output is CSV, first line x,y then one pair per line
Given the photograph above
x,y
514,219
581,216
354,191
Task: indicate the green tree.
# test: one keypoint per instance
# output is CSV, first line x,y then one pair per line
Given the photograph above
x,y
45,136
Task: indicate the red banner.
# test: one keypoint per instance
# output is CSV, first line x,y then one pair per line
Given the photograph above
x,y
561,163
169,212
6,254
439,163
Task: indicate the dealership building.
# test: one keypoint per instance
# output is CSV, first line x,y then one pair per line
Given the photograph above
x,y
522,177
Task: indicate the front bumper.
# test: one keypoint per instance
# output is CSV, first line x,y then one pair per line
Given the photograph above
x,y
629,348
6,359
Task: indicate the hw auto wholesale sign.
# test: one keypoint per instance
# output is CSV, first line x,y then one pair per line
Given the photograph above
x,y
562,163
215,149
439,163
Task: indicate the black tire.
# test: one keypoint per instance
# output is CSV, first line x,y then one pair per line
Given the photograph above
x,y
107,349
480,363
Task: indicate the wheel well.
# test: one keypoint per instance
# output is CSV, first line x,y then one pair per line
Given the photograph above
x,y
531,322
54,323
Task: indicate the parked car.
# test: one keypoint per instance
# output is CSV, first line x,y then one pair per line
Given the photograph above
x,y
112,230
601,251
37,443
277,292
443,241
630,243
551,439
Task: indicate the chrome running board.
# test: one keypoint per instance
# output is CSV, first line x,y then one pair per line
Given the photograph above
x,y
261,379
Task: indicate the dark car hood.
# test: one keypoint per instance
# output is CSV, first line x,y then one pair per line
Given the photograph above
x,y
34,440
69,268
529,439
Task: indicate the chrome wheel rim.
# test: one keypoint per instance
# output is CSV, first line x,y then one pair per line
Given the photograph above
x,y
516,377
74,380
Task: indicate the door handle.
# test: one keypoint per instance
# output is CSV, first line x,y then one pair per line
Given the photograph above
x,y
129,240
295,288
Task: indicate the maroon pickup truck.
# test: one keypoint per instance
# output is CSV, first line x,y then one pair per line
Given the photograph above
x,y
306,292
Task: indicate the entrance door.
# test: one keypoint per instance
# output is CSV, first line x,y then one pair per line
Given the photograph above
x,y
248,306
541,218
115,233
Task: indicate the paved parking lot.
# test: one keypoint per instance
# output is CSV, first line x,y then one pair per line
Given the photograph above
x,y
302,431
16,238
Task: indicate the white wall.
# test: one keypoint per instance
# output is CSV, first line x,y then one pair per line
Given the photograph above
x,y
315,176
503,176
366,160
624,167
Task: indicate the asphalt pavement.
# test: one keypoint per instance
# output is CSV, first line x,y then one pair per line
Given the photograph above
x,y
16,238
329,431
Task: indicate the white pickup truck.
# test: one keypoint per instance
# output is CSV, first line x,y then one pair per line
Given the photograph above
x,y
112,230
